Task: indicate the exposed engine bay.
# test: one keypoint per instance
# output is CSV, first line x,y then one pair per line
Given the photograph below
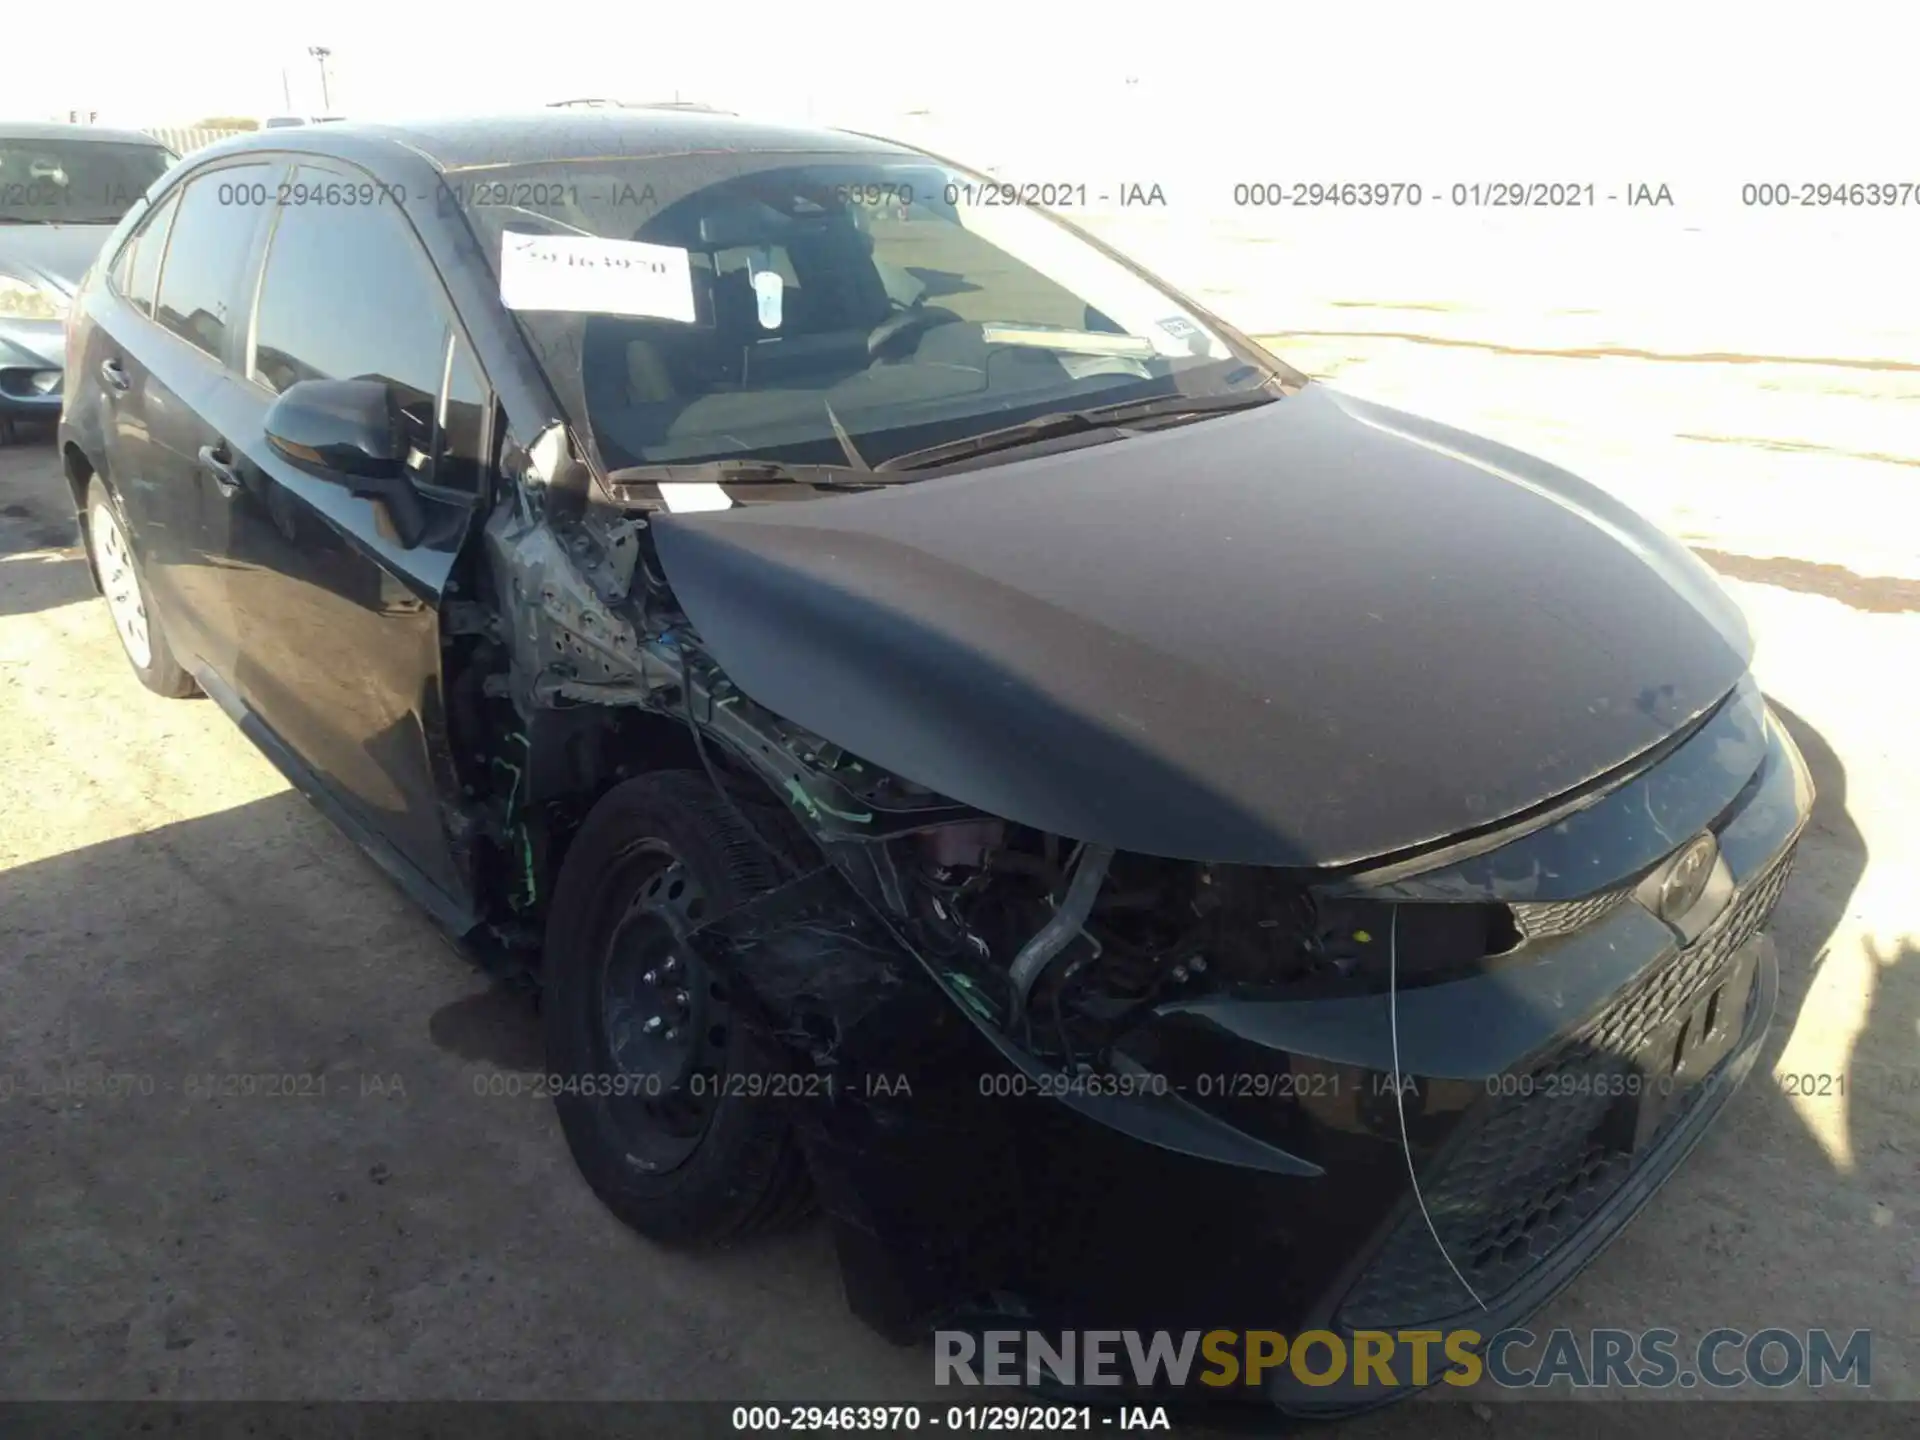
x,y
1068,945
1060,945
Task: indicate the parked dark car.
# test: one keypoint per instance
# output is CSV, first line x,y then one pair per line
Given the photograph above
x,y
954,730
62,190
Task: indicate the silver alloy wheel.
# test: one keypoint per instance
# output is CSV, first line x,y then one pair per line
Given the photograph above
x,y
121,586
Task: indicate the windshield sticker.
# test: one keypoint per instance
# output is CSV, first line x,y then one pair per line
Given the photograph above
x,y
584,273
1180,327
1080,342
1082,367
1108,286
767,290
703,495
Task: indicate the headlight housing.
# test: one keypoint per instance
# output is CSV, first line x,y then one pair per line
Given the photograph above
x,y
30,300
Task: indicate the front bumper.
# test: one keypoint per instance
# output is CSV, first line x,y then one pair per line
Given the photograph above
x,y
960,1201
1526,1199
30,351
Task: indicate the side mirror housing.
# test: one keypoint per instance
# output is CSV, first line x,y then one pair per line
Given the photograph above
x,y
349,433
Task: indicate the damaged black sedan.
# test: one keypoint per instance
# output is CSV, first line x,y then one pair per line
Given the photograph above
x,y
955,732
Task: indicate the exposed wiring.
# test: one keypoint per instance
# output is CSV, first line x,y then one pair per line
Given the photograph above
x,y
519,825
781,864
1400,1098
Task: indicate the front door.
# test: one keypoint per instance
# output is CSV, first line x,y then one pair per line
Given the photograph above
x,y
338,610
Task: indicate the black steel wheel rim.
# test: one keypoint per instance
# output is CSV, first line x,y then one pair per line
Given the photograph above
x,y
662,1021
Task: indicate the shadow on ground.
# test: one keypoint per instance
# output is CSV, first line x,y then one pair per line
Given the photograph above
x,y
263,1140
43,566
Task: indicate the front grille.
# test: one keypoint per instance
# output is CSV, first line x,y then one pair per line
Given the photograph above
x,y
1531,1168
1544,919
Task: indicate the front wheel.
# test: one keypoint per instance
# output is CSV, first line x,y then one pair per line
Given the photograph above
x,y
142,638
660,1080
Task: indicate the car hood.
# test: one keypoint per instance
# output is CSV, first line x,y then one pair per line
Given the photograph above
x,y
1308,634
60,253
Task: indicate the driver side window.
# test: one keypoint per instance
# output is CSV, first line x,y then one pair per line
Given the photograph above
x,y
348,294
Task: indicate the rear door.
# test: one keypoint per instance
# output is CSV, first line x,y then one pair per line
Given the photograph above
x,y
178,292
339,619
114,368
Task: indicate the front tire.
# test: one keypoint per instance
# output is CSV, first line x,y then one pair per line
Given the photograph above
x,y
143,640
649,1053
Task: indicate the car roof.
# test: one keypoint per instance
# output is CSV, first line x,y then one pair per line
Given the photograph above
x,y
567,134
60,130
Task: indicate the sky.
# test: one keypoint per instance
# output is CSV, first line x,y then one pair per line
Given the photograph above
x,y
1630,87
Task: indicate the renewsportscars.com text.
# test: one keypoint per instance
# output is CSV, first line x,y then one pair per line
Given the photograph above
x,y
1723,1358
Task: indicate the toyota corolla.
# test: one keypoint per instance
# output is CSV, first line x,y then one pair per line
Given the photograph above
x,y
955,732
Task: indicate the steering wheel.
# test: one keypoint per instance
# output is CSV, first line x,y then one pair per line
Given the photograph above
x,y
908,322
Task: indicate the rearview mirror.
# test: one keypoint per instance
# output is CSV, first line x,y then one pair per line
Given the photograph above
x,y
349,432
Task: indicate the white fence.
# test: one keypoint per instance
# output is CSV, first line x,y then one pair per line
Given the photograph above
x,y
184,139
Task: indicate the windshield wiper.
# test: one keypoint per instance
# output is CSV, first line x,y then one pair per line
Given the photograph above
x,y
753,470
748,471
1074,422
854,457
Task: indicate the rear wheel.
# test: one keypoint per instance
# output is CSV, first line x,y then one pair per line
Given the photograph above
x,y
142,638
656,1067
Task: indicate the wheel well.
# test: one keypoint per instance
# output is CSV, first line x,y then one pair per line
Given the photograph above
x,y
580,753
79,472
547,774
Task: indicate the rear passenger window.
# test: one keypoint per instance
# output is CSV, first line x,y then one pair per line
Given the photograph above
x,y
207,251
348,294
139,264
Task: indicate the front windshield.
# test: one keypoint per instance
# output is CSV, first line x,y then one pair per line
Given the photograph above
x,y
74,182
792,301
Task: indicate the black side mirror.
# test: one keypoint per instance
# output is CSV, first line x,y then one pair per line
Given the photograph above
x,y
349,432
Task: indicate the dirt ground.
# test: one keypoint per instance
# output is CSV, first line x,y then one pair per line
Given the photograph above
x,y
169,909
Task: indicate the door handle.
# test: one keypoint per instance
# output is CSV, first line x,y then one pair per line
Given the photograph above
x,y
115,377
217,461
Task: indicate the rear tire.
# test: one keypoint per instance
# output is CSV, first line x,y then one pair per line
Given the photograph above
x,y
143,639
641,1037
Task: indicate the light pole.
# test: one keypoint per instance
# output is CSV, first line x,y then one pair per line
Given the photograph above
x,y
320,53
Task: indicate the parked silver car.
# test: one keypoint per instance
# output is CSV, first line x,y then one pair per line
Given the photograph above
x,y
62,190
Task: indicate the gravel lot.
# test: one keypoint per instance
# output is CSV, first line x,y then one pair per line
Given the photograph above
x,y
169,908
